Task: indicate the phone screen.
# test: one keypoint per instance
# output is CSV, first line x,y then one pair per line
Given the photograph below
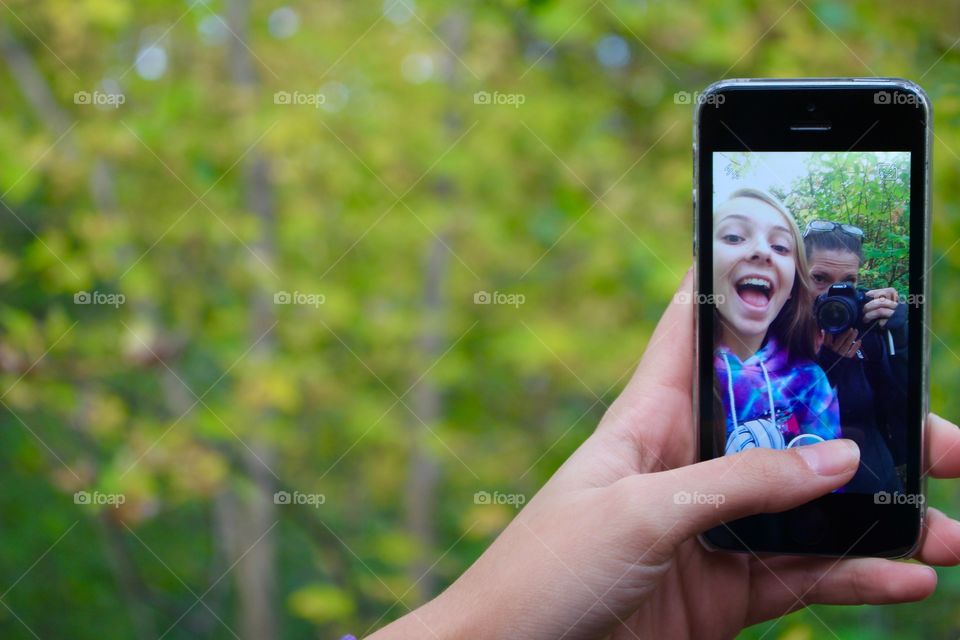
x,y
811,241
810,285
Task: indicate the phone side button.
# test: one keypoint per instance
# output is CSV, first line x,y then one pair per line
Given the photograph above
x,y
694,220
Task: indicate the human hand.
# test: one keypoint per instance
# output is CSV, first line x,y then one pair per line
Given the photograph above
x,y
844,344
881,306
606,547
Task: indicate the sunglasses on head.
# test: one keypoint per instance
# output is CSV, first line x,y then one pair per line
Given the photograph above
x,y
821,226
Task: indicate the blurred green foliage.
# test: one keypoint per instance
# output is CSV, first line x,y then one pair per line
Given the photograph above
x,y
339,150
866,191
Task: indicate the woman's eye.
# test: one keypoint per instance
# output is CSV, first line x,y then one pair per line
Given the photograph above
x,y
732,238
781,249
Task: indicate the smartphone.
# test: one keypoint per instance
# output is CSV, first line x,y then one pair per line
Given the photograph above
x,y
811,244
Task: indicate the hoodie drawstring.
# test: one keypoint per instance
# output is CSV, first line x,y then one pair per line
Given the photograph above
x,y
733,403
773,411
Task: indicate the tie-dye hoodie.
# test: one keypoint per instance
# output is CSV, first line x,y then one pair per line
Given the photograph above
x,y
769,382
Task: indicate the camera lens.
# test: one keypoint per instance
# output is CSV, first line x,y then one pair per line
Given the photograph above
x,y
835,315
811,106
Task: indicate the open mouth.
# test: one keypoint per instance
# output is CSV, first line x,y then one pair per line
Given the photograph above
x,y
756,291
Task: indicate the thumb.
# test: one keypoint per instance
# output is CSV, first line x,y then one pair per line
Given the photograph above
x,y
697,497
668,358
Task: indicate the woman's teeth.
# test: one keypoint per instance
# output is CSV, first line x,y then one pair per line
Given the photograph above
x,y
754,291
754,282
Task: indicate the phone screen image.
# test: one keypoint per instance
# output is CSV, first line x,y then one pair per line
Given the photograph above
x,y
811,242
810,292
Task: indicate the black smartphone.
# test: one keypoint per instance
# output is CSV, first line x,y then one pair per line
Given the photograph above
x,y
811,244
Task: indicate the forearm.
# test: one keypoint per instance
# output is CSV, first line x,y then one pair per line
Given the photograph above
x,y
442,618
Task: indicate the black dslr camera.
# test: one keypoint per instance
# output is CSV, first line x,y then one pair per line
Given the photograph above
x,y
840,308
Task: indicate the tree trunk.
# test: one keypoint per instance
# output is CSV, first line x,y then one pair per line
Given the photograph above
x,y
424,473
249,517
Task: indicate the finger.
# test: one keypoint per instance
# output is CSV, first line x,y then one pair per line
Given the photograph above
x,y
781,585
697,497
844,339
878,314
885,292
832,343
850,337
888,292
943,448
668,358
880,303
941,540
846,346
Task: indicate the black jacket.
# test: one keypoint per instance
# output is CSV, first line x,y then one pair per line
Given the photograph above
x,y
872,392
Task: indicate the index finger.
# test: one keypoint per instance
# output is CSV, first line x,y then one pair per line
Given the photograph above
x,y
887,292
943,448
668,358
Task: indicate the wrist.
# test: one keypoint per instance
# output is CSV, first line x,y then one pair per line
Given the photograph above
x,y
446,617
